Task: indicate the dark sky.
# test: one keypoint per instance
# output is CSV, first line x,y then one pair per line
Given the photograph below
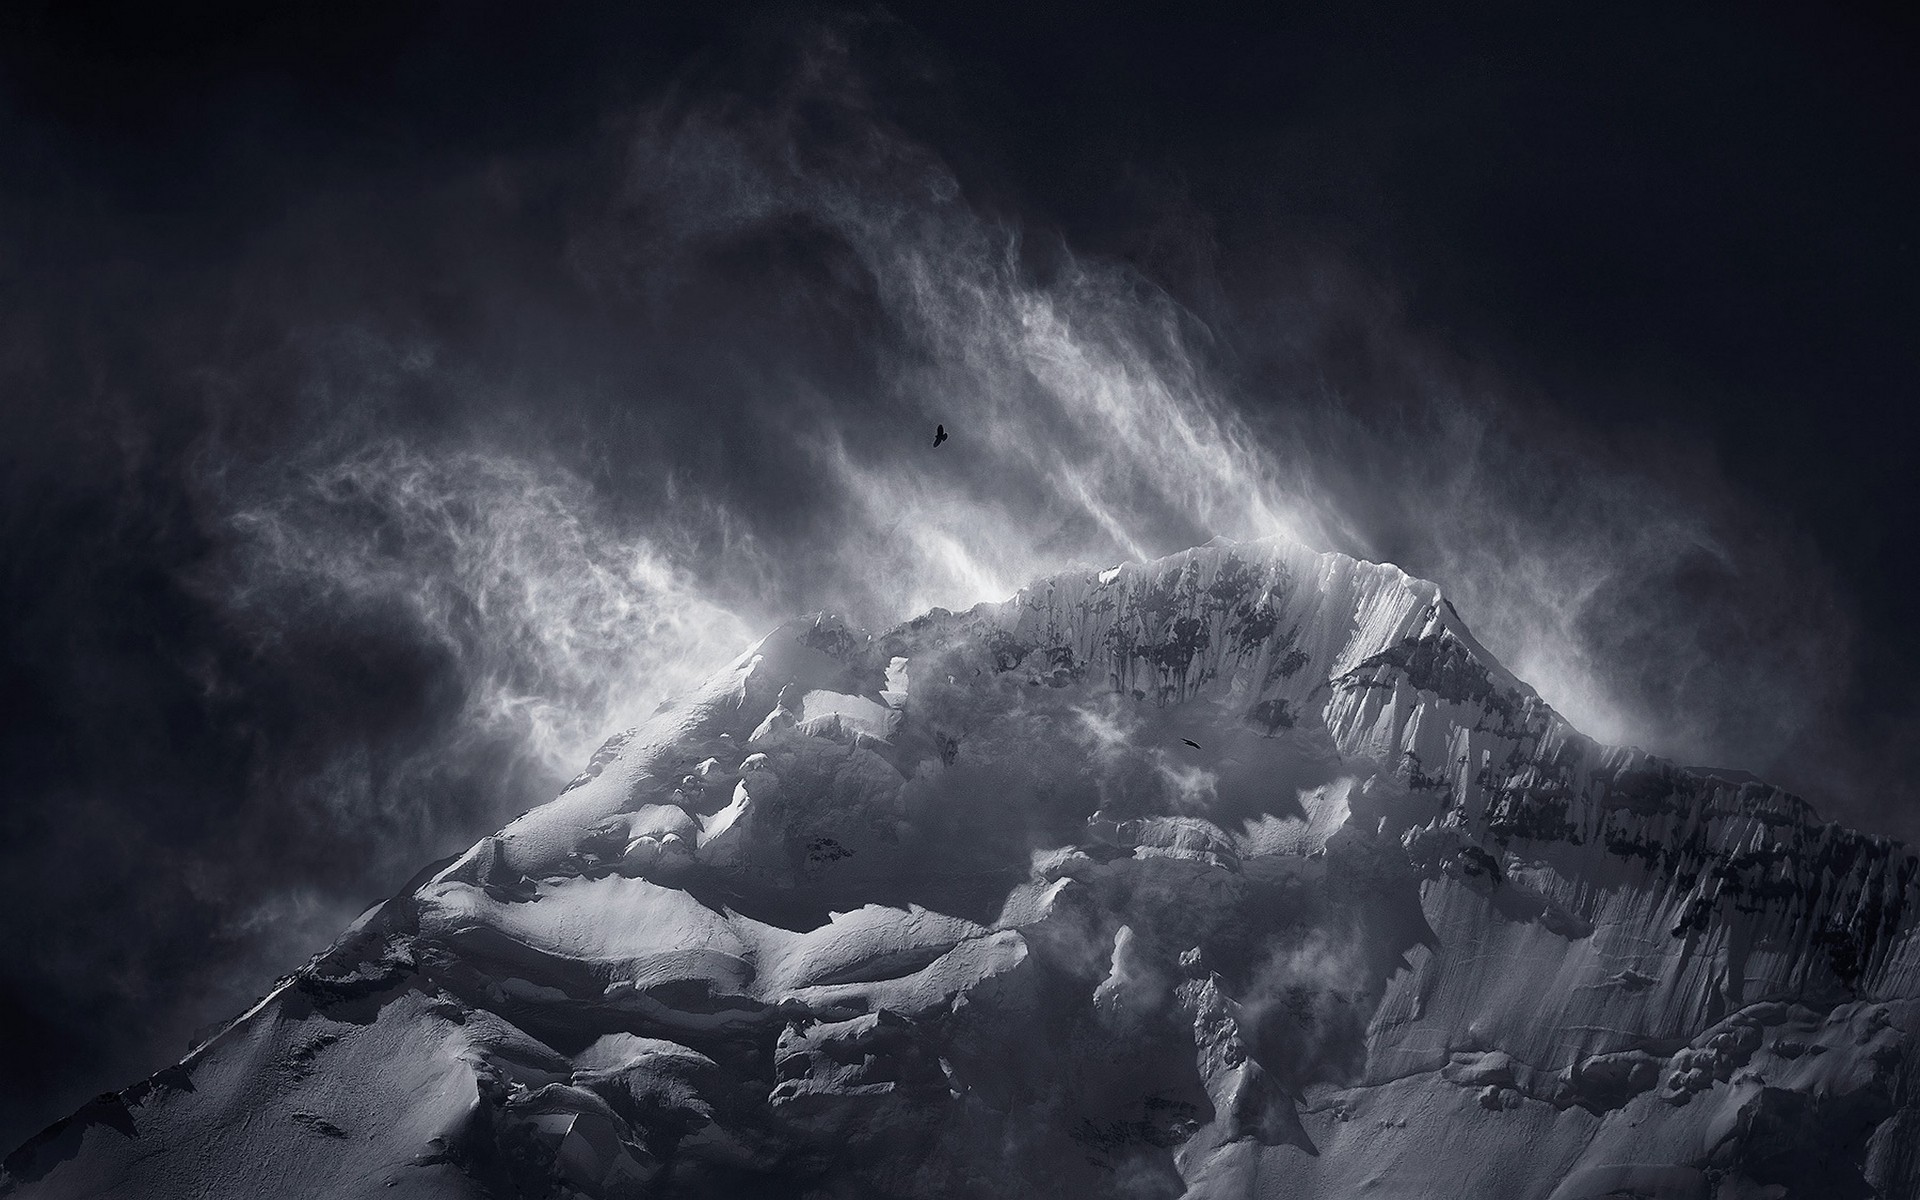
x,y
393,398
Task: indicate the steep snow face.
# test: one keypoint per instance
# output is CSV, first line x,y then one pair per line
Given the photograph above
x,y
1247,872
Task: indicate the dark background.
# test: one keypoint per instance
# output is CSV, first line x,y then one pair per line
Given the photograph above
x,y
352,355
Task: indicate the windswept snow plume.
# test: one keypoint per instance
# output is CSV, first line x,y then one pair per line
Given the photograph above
x,y
1652,608
1087,424
1094,419
561,626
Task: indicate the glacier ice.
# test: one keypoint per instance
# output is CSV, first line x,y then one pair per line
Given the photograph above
x,y
958,909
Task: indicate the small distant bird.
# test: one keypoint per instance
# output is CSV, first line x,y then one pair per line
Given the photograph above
x,y
939,435
1191,742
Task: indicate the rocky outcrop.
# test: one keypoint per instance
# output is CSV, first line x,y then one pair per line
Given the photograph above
x,y
1247,872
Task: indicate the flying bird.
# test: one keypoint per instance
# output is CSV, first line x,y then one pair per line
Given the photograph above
x,y
939,435
1191,742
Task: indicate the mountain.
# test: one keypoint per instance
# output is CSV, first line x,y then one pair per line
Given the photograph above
x,y
1246,872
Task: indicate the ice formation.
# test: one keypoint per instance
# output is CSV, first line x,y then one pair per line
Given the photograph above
x,y
961,909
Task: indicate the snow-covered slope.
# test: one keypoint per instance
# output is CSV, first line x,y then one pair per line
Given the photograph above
x,y
1247,872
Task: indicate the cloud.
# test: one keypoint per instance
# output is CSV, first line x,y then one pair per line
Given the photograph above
x,y
1307,1008
560,624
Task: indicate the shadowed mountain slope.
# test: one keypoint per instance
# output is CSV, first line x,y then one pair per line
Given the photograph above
x,y
1246,872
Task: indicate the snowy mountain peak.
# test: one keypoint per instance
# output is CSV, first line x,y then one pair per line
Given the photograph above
x,y
1245,872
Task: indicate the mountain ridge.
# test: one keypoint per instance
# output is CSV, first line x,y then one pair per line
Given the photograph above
x,y
1239,831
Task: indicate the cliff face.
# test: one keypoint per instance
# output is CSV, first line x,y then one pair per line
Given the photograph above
x,y
1247,872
